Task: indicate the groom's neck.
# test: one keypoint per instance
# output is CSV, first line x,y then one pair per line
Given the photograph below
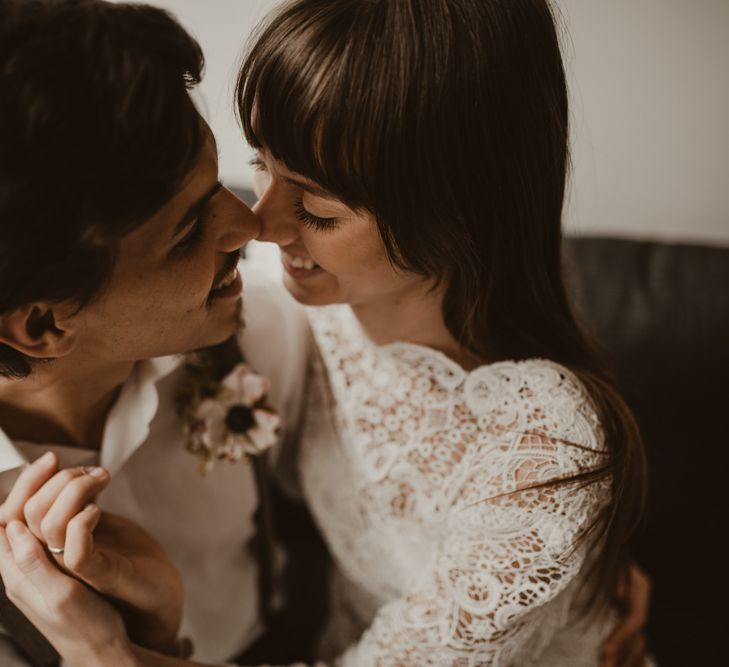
x,y
63,403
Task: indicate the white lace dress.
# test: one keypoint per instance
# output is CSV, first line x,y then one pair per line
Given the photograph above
x,y
419,474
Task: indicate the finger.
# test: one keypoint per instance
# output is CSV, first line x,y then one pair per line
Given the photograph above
x,y
85,557
641,584
30,480
38,504
613,645
32,582
17,588
636,655
32,565
629,627
37,507
8,568
607,658
6,555
79,556
70,501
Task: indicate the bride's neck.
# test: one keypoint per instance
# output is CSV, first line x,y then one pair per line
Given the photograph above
x,y
414,315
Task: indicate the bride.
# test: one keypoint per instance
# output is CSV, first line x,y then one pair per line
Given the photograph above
x,y
472,469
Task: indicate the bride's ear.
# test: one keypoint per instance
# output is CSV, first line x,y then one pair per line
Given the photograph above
x,y
40,330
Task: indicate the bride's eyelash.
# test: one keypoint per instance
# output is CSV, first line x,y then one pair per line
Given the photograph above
x,y
302,215
257,163
311,220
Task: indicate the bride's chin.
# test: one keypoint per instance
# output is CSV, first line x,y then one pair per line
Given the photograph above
x,y
319,292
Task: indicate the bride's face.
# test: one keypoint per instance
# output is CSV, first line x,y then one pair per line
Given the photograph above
x,y
330,253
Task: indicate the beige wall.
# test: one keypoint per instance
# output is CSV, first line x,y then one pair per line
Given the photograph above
x,y
222,27
650,92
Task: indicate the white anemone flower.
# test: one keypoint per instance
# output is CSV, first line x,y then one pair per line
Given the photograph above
x,y
233,424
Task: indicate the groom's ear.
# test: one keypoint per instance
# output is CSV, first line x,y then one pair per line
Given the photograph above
x,y
40,330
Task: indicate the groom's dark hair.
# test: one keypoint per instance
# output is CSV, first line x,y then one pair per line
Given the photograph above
x,y
97,133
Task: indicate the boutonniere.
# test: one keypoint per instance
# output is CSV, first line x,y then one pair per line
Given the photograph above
x,y
228,419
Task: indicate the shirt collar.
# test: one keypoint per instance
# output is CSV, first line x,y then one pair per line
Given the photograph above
x,y
129,421
10,457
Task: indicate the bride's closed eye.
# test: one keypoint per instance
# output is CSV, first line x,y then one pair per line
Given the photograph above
x,y
311,220
257,163
300,212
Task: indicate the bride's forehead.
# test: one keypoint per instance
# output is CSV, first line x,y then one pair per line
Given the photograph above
x,y
281,170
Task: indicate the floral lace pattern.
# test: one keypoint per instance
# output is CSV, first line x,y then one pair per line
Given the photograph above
x,y
426,482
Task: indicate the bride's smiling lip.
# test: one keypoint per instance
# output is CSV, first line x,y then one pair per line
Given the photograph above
x,y
299,266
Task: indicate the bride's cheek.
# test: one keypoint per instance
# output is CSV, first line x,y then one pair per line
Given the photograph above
x,y
261,181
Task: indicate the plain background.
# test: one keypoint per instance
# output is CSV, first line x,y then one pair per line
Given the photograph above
x,y
649,82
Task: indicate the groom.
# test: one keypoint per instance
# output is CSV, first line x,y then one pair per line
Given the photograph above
x,y
119,251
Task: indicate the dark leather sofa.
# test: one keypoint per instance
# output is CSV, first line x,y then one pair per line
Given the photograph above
x,y
661,314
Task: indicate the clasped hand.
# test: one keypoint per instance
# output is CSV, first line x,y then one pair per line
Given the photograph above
x,y
114,556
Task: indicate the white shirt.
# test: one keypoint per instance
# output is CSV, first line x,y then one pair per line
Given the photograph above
x,y
204,523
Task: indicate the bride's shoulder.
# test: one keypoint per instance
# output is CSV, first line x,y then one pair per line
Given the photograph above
x,y
525,380
535,396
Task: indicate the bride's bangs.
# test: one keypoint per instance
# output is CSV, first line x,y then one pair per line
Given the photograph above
x,y
304,95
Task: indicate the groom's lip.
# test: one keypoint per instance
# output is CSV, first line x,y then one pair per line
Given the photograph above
x,y
231,287
227,274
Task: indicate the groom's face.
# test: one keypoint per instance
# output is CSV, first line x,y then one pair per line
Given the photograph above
x,y
174,286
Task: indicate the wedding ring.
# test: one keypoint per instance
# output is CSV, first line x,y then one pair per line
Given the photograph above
x,y
56,550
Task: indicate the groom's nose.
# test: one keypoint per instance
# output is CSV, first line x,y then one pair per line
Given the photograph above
x,y
275,210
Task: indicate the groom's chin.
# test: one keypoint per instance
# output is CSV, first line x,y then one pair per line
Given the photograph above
x,y
224,328
234,325
240,319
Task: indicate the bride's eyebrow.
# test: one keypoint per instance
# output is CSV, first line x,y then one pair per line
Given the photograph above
x,y
311,189
257,162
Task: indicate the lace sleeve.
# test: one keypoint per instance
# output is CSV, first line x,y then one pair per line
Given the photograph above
x,y
508,547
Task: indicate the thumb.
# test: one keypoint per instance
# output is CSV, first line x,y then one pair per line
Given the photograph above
x,y
30,558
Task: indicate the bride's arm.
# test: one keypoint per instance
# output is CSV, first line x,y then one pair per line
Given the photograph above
x,y
85,629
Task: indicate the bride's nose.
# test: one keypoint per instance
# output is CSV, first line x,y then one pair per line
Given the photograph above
x,y
275,210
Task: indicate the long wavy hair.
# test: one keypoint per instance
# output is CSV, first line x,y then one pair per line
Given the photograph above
x,y
448,121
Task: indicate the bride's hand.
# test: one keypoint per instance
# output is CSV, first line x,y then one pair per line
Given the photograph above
x,y
111,554
84,628
626,645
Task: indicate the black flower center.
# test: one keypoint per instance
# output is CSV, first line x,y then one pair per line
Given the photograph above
x,y
239,419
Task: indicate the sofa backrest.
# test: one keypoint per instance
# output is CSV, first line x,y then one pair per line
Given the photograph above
x,y
661,314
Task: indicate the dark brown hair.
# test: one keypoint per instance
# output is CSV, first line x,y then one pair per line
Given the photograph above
x,y
448,121
97,132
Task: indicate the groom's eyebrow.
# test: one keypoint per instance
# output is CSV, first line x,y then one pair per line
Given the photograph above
x,y
195,209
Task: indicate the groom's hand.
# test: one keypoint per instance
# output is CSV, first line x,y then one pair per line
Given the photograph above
x,y
109,553
51,503
42,497
81,625
57,508
127,564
